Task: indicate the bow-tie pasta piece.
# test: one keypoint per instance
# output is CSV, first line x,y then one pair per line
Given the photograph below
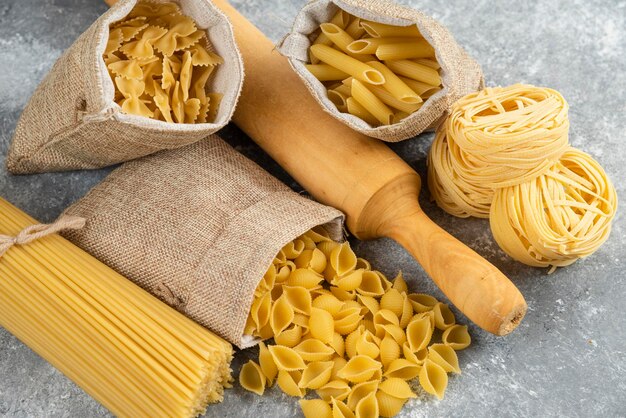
x,y
159,46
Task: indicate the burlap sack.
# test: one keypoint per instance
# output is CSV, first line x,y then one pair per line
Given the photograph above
x,y
72,122
197,227
460,73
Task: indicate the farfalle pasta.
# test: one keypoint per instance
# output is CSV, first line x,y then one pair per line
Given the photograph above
x,y
145,77
347,333
173,52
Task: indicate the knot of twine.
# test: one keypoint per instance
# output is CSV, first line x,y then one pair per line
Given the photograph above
x,y
35,232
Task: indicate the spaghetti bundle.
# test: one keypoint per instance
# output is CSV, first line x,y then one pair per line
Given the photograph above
x,y
132,353
503,154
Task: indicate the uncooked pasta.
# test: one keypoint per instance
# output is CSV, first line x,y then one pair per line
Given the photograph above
x,y
559,217
503,154
134,354
346,332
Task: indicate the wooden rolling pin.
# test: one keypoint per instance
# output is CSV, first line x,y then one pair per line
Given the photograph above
x,y
364,178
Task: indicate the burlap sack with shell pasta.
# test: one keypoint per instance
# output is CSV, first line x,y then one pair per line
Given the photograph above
x,y
197,227
72,121
460,73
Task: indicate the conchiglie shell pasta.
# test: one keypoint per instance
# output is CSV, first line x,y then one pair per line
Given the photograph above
x,y
422,302
315,408
282,315
397,387
341,410
299,298
290,337
251,378
304,278
260,310
389,350
456,337
359,369
343,295
338,344
288,383
393,301
367,407
403,369
351,342
445,356
293,249
321,325
444,318
360,391
313,259
329,303
433,379
350,281
342,259
266,362
389,406
314,350
340,363
371,284
347,320
286,358
338,389
370,303
367,346
418,334
399,284
316,374
407,311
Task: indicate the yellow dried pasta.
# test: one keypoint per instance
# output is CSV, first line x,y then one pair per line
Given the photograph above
x,y
347,333
170,61
395,68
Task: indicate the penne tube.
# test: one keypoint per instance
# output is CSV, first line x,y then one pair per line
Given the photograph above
x,y
373,104
349,65
354,108
430,92
398,116
417,86
325,72
395,86
381,30
415,71
338,99
405,50
341,40
388,99
354,29
432,63
341,19
344,89
370,45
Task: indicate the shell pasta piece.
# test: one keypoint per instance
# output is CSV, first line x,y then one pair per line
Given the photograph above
x,y
346,333
251,378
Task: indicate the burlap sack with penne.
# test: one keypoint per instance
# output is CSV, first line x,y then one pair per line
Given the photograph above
x,y
387,71
202,237
145,77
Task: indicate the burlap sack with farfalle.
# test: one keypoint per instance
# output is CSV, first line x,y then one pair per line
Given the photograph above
x,y
460,73
72,121
197,227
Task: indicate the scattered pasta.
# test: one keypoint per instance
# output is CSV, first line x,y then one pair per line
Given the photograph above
x,y
346,332
160,64
378,73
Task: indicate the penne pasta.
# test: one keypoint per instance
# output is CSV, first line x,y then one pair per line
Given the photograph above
x,y
419,87
349,65
432,63
354,108
344,89
405,50
373,104
381,30
339,100
395,86
415,71
341,19
388,99
354,29
341,40
370,45
325,72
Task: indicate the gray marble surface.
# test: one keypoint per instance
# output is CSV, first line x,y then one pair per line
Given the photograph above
x,y
567,358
